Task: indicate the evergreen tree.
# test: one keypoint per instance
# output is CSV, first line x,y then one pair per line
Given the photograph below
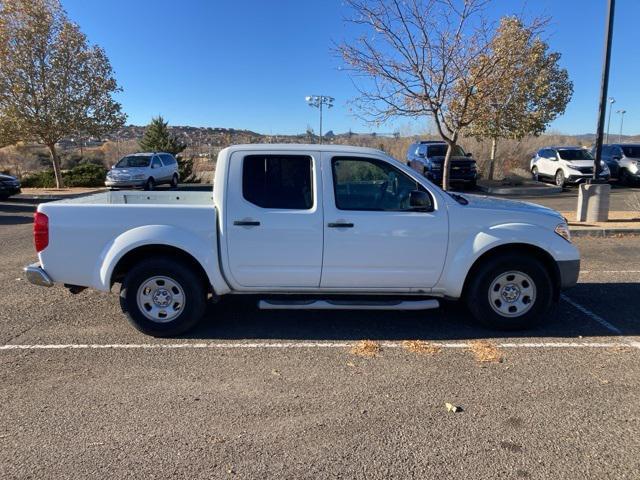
x,y
158,139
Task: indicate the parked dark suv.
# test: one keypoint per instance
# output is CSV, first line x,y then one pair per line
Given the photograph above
x,y
623,160
8,186
427,157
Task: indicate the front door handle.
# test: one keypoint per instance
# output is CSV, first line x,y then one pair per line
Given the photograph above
x,y
340,225
246,223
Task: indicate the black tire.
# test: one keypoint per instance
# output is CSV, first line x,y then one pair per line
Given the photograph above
x,y
559,178
150,184
4,197
193,291
624,178
478,292
174,181
535,174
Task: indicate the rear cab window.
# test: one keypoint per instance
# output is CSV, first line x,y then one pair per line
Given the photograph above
x,y
278,181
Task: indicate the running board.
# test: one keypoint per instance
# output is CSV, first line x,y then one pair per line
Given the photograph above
x,y
347,305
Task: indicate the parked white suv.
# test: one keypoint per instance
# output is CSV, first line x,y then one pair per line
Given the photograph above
x,y
144,170
565,165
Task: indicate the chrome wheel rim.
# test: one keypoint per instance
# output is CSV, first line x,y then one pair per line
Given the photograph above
x,y
512,294
161,299
559,179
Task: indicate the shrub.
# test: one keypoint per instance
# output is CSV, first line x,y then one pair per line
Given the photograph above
x,y
84,175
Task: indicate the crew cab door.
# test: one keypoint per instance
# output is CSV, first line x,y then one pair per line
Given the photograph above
x,y
372,237
274,219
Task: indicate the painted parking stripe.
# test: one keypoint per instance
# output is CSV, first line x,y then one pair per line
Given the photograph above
x,y
303,345
593,316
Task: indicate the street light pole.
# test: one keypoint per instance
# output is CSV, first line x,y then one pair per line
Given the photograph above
x,y
621,112
319,101
593,198
611,102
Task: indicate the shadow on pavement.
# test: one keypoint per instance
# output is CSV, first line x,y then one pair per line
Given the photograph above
x,y
237,318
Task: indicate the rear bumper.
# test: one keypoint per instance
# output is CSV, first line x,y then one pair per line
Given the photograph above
x,y
37,276
569,271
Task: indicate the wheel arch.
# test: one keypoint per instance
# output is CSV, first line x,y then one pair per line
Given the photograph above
x,y
518,248
143,252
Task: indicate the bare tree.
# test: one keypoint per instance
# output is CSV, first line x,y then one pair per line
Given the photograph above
x,y
422,58
53,84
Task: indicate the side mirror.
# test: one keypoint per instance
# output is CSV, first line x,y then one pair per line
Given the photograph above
x,y
420,201
469,154
421,154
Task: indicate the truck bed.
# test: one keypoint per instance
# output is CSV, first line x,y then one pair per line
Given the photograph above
x,y
84,231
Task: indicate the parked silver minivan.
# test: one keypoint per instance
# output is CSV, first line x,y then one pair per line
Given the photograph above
x,y
144,170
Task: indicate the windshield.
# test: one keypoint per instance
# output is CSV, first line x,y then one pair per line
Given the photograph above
x,y
441,151
575,154
133,161
631,151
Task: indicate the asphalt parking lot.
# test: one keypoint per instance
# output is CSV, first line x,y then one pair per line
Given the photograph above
x,y
258,394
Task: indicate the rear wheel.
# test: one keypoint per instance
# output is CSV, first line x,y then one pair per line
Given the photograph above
x,y
162,297
509,293
174,181
560,178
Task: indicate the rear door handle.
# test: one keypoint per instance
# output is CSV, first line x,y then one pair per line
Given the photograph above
x,y
340,225
246,223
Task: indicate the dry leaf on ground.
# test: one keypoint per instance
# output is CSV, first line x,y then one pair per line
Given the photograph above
x,y
452,408
485,352
366,348
421,347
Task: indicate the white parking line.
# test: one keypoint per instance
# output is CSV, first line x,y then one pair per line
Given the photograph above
x,y
308,345
593,316
608,271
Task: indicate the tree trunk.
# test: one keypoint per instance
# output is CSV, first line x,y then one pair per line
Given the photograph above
x,y
492,160
446,166
55,160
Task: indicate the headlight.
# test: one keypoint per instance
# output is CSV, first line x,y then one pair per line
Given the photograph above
x,y
563,230
603,166
139,176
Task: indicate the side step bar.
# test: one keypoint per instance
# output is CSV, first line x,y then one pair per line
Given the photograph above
x,y
347,305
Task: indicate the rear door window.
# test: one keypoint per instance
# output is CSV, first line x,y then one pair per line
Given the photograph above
x,y
278,181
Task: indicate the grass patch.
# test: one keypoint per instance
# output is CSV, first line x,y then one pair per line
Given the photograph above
x,y
366,348
485,352
421,347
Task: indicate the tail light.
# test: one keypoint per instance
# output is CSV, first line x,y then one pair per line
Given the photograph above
x,y
40,231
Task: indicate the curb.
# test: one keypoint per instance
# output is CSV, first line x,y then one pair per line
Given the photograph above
x,y
603,232
520,190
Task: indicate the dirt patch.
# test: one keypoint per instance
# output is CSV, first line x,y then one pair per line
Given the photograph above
x,y
421,347
366,348
485,352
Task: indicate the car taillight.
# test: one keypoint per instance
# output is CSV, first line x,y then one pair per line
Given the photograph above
x,y
40,231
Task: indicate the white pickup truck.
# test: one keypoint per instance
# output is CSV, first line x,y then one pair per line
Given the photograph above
x,y
307,227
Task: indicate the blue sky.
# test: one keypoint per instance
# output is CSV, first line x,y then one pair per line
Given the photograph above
x,y
250,63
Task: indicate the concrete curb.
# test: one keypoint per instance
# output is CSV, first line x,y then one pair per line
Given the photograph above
x,y
603,232
524,190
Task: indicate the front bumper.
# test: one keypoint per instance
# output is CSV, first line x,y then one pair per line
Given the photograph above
x,y
583,177
569,271
9,190
36,275
124,183
454,177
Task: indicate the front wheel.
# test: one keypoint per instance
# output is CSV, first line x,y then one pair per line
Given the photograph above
x,y
509,293
162,297
149,184
560,178
535,174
